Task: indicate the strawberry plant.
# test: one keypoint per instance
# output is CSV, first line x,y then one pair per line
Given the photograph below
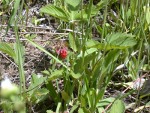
x,y
107,52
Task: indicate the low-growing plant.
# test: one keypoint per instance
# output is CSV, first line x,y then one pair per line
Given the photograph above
x,y
87,65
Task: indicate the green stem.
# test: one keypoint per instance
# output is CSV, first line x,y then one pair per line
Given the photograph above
x,y
20,61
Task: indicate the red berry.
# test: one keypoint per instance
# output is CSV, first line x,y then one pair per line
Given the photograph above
x,y
62,53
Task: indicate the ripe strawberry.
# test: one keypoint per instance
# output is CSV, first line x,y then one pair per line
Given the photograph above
x,y
62,52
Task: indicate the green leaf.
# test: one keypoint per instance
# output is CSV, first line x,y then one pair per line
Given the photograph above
x,y
103,46
83,101
100,95
20,52
14,11
108,64
86,110
49,111
73,4
80,110
105,102
148,104
117,107
46,72
6,48
55,96
58,108
65,96
120,39
90,51
87,52
107,47
78,16
100,109
74,107
73,16
31,36
91,97
76,76
95,74
111,57
40,95
36,82
89,11
72,42
91,43
148,16
114,41
147,11
56,74
56,12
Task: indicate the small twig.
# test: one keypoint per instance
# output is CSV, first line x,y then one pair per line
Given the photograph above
x,y
45,28
72,31
107,107
23,39
43,33
35,27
